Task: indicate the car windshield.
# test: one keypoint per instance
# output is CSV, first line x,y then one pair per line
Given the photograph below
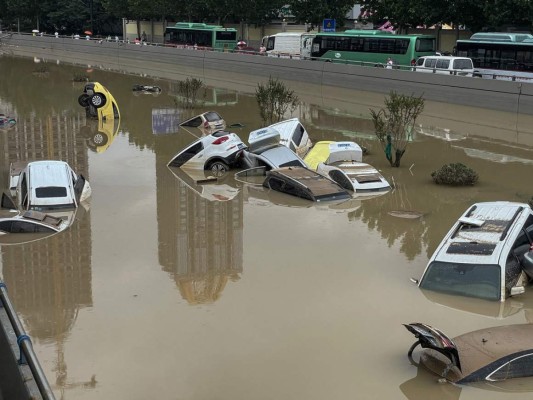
x,y
472,280
212,116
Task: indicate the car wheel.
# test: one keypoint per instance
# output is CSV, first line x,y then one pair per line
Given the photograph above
x,y
99,139
219,168
98,100
83,100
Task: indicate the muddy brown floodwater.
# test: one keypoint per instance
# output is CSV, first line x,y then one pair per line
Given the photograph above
x,y
157,292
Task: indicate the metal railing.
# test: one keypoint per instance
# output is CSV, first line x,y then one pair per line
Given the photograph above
x,y
27,355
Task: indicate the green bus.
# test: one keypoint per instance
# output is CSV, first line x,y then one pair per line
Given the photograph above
x,y
499,55
371,46
202,36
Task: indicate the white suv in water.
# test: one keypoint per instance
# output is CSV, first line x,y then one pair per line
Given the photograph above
x,y
484,253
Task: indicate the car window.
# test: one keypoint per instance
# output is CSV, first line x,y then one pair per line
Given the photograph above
x,y
28,227
51,191
444,64
518,367
473,280
195,122
5,226
212,116
298,134
189,153
341,179
462,64
420,61
293,163
430,63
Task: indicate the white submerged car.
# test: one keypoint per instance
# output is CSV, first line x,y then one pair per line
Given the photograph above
x,y
341,162
47,185
217,152
486,254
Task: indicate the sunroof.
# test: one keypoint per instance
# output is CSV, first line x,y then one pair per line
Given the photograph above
x,y
471,248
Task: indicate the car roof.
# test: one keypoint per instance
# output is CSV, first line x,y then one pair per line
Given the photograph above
x,y
480,348
480,234
279,155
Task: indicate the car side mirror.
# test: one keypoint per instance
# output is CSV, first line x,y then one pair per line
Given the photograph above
x,y
516,290
414,280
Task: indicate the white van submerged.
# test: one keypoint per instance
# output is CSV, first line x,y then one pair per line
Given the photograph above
x,y
448,65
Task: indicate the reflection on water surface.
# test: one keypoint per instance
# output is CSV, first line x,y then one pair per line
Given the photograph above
x,y
268,295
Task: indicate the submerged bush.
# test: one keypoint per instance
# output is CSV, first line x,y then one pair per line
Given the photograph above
x,y
80,77
455,174
188,92
531,202
274,99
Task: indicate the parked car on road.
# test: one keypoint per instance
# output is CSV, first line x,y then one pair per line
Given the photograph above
x,y
483,254
217,152
447,65
490,354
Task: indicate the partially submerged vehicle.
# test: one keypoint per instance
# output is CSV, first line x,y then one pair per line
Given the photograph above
x,y
217,152
266,151
146,89
47,185
342,163
485,254
490,354
208,122
292,135
98,102
6,122
304,183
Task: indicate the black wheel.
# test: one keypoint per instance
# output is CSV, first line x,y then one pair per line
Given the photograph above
x,y
83,99
218,168
99,139
98,100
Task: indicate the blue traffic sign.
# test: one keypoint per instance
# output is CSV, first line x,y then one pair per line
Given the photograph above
x,y
328,25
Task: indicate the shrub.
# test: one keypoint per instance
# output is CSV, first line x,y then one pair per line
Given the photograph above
x,y
274,100
80,77
188,91
455,174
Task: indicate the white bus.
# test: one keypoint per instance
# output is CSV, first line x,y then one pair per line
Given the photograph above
x,y
288,44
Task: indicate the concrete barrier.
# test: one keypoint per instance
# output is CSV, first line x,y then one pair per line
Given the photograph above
x,y
171,62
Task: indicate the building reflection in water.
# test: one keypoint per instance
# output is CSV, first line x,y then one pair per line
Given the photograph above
x,y
200,241
49,280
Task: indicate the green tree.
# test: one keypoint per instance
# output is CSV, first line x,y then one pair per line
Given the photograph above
x,y
274,100
315,11
394,124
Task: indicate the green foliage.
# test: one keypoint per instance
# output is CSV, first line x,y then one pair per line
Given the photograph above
x,y
394,124
315,11
455,174
274,100
188,91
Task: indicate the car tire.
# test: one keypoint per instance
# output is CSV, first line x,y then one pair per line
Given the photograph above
x,y
218,168
83,100
98,100
99,139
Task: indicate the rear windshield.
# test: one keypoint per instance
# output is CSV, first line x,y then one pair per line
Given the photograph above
x,y
293,163
472,280
425,44
51,191
212,116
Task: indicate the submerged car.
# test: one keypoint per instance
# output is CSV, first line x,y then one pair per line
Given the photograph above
x,y
292,134
304,183
490,354
6,122
146,89
342,163
47,185
266,151
217,152
207,122
98,102
484,253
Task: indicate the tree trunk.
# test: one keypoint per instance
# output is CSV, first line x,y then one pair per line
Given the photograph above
x,y
399,155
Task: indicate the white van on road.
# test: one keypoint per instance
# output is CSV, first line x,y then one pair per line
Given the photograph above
x,y
448,65
288,44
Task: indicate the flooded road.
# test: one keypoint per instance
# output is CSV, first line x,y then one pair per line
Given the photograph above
x,y
156,290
